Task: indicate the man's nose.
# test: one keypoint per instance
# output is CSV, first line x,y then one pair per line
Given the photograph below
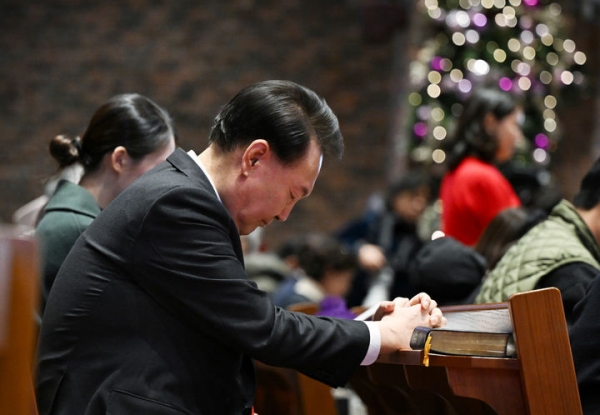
x,y
285,213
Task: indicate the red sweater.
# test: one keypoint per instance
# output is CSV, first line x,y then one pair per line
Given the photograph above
x,y
472,195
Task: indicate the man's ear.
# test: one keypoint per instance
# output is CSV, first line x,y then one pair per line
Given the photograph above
x,y
258,151
119,158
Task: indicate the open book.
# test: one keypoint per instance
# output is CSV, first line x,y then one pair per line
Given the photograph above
x,y
469,333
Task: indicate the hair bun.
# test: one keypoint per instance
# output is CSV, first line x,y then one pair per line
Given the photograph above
x,y
65,150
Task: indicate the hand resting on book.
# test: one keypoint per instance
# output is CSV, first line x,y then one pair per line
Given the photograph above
x,y
397,319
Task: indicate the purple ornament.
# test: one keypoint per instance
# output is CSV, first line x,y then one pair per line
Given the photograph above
x,y
541,140
420,129
436,63
505,84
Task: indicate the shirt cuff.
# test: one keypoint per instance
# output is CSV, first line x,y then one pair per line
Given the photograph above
x,y
374,344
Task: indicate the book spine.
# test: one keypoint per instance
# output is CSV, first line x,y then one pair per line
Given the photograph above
x,y
419,337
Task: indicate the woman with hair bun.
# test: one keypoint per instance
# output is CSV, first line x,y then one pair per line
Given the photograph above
x,y
473,190
127,136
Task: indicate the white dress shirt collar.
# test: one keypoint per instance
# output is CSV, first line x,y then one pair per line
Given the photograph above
x,y
195,157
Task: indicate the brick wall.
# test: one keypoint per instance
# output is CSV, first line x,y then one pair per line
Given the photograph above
x,y
60,59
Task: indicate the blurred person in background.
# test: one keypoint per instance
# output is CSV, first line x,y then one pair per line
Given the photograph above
x,y
453,271
325,275
562,251
126,136
29,214
473,191
386,242
266,268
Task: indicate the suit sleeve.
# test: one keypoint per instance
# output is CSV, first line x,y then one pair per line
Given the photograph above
x,y
185,259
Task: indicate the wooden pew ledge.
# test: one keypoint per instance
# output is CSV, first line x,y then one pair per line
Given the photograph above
x,y
415,358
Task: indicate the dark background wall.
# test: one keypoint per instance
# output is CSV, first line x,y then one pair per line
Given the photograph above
x,y
60,59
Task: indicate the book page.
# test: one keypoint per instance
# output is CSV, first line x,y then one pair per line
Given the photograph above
x,y
492,321
368,314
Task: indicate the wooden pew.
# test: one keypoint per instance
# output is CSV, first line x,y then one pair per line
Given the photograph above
x,y
19,279
541,380
277,391
282,391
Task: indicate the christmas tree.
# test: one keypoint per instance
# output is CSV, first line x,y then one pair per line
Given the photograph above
x,y
519,45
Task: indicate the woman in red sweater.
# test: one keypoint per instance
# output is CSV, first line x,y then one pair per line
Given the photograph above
x,y
473,190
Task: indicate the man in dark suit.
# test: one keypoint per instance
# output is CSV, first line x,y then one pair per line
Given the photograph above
x,y
152,311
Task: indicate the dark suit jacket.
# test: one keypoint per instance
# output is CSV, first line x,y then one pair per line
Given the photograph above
x,y
152,311
584,334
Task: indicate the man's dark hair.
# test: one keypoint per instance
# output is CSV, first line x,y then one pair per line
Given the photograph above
x,y
283,113
589,191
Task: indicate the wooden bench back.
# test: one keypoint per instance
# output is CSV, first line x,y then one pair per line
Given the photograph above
x,y
19,295
541,380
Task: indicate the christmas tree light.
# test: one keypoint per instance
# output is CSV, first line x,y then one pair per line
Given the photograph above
x,y
517,44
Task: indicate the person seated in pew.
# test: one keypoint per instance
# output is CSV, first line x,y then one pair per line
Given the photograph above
x,y
386,241
453,271
561,251
584,334
323,276
473,190
325,272
126,136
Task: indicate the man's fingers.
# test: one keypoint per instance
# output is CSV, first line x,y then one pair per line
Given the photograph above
x,y
422,298
436,318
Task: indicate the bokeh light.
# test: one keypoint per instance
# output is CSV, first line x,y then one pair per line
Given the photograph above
x,y
420,129
505,84
517,43
541,140
438,156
